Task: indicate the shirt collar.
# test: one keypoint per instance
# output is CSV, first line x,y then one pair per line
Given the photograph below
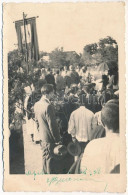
x,y
82,107
45,99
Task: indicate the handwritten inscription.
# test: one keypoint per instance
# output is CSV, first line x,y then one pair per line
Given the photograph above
x,y
85,172
56,180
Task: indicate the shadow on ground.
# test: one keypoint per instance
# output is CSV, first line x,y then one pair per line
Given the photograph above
x,y
16,152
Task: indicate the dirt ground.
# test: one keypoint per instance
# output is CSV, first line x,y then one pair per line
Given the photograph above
x,y
26,156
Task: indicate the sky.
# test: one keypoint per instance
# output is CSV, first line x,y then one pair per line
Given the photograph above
x,y
67,25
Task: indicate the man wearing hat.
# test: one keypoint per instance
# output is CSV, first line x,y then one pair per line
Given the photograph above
x,y
103,154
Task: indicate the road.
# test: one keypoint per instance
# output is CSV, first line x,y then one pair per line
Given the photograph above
x,y
32,153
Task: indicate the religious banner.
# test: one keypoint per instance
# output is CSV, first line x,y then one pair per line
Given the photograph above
x,y
27,38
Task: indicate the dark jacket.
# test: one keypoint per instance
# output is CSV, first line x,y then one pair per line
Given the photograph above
x,y
45,114
74,77
50,79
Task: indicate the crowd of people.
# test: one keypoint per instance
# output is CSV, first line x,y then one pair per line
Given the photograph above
x,y
75,118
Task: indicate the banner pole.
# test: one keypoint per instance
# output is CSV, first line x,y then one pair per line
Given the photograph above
x,y
26,53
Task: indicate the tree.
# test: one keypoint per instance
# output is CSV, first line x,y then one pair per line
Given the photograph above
x,y
91,48
18,79
57,58
109,51
106,50
72,58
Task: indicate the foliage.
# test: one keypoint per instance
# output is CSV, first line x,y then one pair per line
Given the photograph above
x,y
72,58
57,58
18,79
106,50
91,48
60,58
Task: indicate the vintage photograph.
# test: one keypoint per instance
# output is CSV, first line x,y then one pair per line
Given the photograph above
x,y
63,85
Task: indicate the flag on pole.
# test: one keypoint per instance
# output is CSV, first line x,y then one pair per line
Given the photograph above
x,y
31,37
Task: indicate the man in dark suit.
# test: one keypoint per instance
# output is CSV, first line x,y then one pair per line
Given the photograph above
x,y
48,129
50,79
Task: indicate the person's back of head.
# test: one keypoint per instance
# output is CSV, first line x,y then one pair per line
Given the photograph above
x,y
49,70
87,88
110,72
74,88
71,68
61,69
65,68
110,116
41,82
57,72
47,89
105,97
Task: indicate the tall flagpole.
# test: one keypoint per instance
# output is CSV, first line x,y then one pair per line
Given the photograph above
x,y
26,52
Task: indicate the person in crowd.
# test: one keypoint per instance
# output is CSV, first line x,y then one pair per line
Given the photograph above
x,y
29,122
61,70
73,75
78,69
64,72
89,78
115,83
83,75
116,93
80,125
50,78
48,129
31,100
108,147
81,93
82,72
116,80
89,98
98,129
59,81
93,88
104,81
73,91
54,71
43,73
71,100
111,79
67,82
